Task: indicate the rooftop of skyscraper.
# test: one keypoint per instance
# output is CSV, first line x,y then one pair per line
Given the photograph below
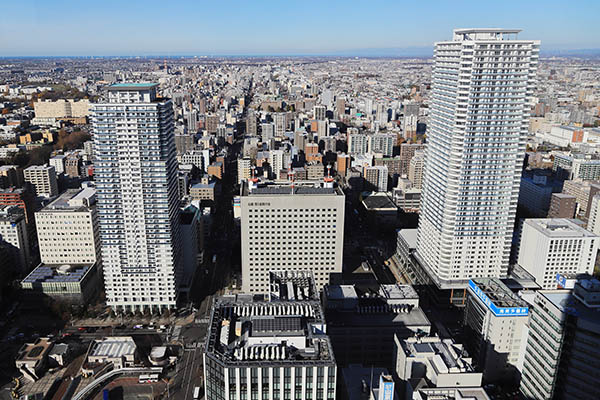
x,y
246,330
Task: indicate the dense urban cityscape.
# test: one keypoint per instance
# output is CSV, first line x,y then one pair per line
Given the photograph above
x,y
302,227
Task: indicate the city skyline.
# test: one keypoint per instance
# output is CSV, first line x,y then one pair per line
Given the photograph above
x,y
336,28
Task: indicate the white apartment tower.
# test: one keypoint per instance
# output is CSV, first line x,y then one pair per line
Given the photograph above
x,y
482,82
138,206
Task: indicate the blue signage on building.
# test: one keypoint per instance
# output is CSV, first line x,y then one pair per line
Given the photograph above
x,y
497,311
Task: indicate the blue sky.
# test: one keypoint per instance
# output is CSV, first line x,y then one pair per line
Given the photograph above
x,y
148,27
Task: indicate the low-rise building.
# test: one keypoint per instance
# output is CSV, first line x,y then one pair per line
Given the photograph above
x,y
434,363
120,351
32,358
362,321
71,283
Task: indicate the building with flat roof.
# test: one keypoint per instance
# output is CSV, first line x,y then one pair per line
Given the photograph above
x,y
43,180
367,383
32,358
552,246
495,322
563,348
268,350
562,205
68,229
71,283
472,393
120,351
363,319
14,237
135,171
292,285
468,205
440,362
290,227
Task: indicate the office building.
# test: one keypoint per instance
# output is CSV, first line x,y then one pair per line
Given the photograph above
x,y
76,283
562,206
58,162
563,348
48,112
578,166
14,237
268,350
319,113
137,198
535,192
10,176
581,190
251,123
342,164
185,143
495,323
407,151
593,224
376,178
278,160
473,170
244,169
20,197
358,143
362,320
435,363
552,246
43,180
192,122
290,227
267,132
382,143
68,230
340,107
280,121
415,169
204,190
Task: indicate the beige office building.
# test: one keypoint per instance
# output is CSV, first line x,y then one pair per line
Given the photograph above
x,y
67,229
287,227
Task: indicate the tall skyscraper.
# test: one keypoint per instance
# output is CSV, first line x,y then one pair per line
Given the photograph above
x,y
481,84
137,197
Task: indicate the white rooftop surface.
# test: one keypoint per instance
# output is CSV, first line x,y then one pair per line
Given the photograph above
x,y
559,228
409,236
113,347
396,291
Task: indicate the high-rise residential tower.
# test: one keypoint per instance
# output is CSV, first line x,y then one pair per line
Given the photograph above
x,y
482,82
137,197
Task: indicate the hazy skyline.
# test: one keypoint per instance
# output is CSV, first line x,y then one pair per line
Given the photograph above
x,y
30,28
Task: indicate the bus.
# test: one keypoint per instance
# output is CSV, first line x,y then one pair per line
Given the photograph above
x,y
148,378
196,392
